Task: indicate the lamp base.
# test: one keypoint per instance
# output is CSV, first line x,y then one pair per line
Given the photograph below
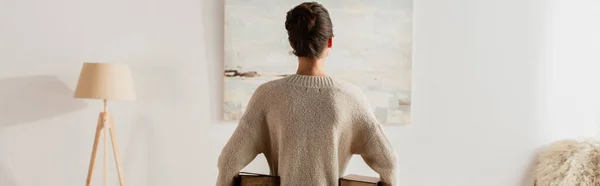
x,y
105,122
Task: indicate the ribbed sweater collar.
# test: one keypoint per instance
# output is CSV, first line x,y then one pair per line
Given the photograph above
x,y
310,81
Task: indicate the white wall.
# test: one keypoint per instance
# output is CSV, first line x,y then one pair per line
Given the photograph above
x,y
482,91
571,70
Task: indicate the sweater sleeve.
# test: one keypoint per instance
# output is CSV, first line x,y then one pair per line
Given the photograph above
x,y
378,154
245,143
374,147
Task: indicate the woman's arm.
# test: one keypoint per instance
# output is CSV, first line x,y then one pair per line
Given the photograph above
x,y
372,144
379,155
246,142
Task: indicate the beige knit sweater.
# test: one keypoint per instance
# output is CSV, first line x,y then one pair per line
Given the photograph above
x,y
308,128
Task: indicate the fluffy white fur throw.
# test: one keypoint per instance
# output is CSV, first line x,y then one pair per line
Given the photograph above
x,y
569,163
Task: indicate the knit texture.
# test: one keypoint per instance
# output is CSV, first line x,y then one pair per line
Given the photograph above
x,y
308,128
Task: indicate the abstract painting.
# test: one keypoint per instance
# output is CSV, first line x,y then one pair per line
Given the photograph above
x,y
372,49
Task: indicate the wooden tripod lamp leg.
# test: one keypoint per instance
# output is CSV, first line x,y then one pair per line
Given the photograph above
x,y
105,174
99,128
105,127
115,149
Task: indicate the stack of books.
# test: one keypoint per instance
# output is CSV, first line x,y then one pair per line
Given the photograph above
x,y
253,179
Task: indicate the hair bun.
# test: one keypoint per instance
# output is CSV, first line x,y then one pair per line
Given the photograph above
x,y
309,29
300,20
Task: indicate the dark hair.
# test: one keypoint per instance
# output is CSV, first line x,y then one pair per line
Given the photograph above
x,y
309,28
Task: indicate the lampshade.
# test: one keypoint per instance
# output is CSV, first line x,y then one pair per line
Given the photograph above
x,y
110,81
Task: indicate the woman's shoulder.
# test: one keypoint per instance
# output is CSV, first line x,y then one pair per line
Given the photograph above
x,y
347,87
269,87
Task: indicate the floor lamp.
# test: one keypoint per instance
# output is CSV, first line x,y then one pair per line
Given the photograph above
x,y
105,81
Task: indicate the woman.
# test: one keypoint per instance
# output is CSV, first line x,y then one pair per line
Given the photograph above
x,y
308,125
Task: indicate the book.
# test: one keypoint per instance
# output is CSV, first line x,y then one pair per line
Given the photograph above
x,y
253,179
358,180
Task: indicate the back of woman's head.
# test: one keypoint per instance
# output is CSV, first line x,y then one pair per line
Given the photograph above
x,y
309,29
